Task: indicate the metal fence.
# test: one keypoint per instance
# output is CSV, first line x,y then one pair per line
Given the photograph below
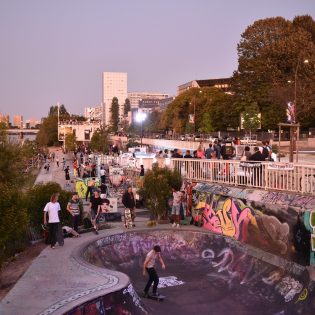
x,y
275,176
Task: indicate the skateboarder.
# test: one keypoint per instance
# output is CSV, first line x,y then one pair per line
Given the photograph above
x,y
148,266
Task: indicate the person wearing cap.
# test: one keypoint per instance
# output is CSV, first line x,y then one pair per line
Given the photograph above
x,y
95,202
148,267
74,207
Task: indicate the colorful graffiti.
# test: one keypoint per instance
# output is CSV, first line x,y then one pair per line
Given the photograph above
x,y
234,218
81,185
210,265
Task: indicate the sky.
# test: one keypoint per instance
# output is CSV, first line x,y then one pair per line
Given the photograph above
x,y
56,51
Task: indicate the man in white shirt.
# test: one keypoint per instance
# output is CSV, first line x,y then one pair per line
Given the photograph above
x,y
148,266
52,208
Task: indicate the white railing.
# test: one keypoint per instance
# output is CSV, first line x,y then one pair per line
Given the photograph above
x,y
276,176
290,177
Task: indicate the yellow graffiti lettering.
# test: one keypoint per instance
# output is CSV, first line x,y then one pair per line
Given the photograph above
x,y
227,225
302,296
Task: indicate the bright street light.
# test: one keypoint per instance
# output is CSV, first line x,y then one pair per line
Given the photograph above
x,y
140,118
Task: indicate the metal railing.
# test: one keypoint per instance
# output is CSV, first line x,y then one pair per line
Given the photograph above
x,y
289,177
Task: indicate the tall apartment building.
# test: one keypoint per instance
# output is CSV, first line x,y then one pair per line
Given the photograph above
x,y
5,119
18,121
136,97
114,85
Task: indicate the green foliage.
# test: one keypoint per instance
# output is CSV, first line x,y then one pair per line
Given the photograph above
x,y
3,133
271,70
209,106
70,142
114,114
48,132
38,196
127,107
100,141
13,221
157,188
251,115
63,113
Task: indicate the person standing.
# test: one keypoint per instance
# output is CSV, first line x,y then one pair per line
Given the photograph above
x,y
209,151
148,267
57,161
141,176
129,202
103,175
95,202
74,207
67,175
52,208
177,199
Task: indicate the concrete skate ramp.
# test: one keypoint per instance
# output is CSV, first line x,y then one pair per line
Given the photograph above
x,y
207,274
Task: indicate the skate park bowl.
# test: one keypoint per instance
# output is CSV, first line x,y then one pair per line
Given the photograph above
x,y
205,273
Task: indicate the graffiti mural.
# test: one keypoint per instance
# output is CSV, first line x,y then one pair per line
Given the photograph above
x,y
125,301
234,218
208,268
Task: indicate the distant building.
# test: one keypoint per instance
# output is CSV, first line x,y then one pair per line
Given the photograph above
x,y
17,121
149,105
136,97
30,123
93,113
223,84
165,102
83,131
5,119
114,85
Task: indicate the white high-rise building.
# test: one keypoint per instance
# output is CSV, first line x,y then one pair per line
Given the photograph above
x,y
114,85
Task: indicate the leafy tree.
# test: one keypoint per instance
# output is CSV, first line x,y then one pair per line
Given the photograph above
x,y
271,54
251,119
3,133
127,107
48,132
100,141
63,113
115,114
157,189
70,142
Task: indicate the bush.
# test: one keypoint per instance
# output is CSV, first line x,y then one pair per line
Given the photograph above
x,y
157,189
13,222
38,196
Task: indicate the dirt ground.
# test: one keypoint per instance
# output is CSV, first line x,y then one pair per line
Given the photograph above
x,y
15,269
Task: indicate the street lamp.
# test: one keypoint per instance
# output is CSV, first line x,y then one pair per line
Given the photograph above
x,y
140,118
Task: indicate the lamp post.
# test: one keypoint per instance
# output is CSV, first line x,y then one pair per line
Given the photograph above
x,y
140,118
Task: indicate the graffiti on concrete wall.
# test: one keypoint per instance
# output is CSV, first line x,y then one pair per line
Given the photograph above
x,y
125,301
234,218
228,267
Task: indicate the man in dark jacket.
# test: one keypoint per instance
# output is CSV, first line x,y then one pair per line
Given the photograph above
x,y
257,156
129,202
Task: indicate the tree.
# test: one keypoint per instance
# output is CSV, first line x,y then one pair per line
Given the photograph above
x,y
157,189
251,116
271,53
127,107
70,142
100,141
48,132
115,114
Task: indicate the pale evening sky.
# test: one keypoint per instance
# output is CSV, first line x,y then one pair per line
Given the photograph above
x,y
57,50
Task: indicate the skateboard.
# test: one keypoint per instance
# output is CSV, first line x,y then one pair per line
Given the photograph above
x,y
157,298
128,221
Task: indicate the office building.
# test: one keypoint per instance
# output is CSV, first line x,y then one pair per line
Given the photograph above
x,y
17,121
136,97
223,84
114,85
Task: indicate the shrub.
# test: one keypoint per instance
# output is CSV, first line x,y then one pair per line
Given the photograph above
x,y
13,222
157,188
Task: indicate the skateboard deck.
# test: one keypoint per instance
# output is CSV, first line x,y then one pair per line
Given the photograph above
x,y
128,220
157,298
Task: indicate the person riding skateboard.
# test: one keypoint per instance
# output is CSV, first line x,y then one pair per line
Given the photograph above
x,y
148,266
